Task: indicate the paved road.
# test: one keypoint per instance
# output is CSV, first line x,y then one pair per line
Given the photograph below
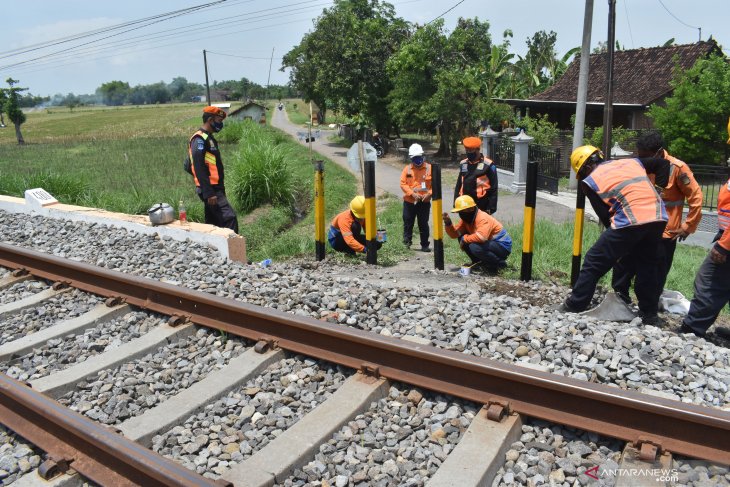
x,y
387,179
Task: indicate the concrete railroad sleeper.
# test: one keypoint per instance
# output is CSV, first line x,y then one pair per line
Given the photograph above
x,y
652,424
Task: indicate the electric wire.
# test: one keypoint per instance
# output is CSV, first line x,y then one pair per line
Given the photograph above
x,y
628,22
449,10
680,20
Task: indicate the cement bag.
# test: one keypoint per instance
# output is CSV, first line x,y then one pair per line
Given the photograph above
x,y
673,302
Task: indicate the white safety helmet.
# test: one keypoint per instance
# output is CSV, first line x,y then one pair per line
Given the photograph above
x,y
415,150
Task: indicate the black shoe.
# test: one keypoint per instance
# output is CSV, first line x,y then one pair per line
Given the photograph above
x,y
564,307
684,329
407,244
652,320
722,332
624,297
425,249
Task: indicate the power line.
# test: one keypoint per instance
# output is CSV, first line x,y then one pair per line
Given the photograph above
x,y
680,20
628,22
73,37
449,10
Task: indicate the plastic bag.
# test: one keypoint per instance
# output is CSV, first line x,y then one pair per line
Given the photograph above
x,y
673,302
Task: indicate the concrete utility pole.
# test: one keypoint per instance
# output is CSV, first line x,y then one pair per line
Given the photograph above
x,y
581,98
608,107
207,86
271,61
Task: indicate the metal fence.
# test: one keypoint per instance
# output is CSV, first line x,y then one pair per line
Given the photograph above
x,y
710,179
504,154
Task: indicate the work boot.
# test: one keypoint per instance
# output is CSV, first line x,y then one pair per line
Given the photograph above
x,y
426,249
407,243
722,332
684,329
564,307
652,320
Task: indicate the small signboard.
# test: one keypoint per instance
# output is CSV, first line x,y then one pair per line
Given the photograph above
x,y
39,198
353,158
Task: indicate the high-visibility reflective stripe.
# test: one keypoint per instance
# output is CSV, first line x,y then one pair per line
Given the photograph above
x,y
212,167
528,231
481,237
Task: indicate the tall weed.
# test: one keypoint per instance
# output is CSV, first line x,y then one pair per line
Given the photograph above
x,y
65,188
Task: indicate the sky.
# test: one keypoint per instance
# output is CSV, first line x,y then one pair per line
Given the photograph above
x,y
240,35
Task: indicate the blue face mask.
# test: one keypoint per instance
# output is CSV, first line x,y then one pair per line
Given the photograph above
x,y
417,160
472,156
217,126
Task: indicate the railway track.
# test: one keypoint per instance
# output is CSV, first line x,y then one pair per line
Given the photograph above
x,y
335,384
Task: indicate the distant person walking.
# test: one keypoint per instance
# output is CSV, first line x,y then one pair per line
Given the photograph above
x,y
682,186
415,182
477,177
208,171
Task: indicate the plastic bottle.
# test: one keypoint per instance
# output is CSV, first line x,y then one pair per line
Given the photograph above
x,y
182,213
265,263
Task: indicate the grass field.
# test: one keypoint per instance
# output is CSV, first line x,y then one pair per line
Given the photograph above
x,y
126,159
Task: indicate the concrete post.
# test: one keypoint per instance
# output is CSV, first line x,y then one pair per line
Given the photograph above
x,y
522,147
489,138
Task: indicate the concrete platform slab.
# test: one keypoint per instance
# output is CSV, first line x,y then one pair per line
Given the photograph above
x,y
480,453
32,479
179,407
297,445
90,319
56,385
29,302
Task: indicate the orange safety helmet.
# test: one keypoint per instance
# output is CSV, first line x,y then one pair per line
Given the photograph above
x,y
472,143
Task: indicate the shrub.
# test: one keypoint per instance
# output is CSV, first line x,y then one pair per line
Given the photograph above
x,y
66,189
259,171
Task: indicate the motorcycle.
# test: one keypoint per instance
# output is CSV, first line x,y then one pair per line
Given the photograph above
x,y
378,146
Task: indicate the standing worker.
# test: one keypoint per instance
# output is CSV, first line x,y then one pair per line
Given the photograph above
x,y
415,181
681,186
712,283
207,166
345,231
634,215
477,177
480,235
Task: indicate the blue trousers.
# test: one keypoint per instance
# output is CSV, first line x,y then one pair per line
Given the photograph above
x,y
491,254
712,292
642,242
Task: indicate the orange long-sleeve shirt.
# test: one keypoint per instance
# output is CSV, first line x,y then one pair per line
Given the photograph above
x,y
485,227
681,186
415,179
347,224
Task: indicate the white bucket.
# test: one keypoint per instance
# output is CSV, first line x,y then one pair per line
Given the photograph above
x,y
465,271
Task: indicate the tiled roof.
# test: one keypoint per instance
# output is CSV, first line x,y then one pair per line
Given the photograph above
x,y
641,76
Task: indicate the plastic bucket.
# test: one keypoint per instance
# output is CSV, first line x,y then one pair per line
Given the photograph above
x,y
381,235
465,271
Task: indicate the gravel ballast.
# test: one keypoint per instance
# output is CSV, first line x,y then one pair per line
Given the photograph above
x,y
17,457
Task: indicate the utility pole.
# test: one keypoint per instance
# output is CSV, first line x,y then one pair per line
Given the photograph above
x,y
608,106
207,86
271,61
582,96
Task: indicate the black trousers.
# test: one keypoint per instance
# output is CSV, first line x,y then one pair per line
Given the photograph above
x,y
642,241
712,292
221,215
625,269
490,253
416,211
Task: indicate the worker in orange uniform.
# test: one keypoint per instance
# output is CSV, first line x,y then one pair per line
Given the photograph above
x,y
627,203
345,231
681,186
480,235
415,182
207,167
477,177
712,283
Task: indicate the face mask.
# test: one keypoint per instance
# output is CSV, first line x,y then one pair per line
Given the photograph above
x,y
417,160
472,156
217,126
468,217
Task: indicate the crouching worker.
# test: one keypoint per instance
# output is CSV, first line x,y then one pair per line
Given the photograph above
x,y
480,235
345,231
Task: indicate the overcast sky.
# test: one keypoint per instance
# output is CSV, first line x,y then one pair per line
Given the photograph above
x,y
240,34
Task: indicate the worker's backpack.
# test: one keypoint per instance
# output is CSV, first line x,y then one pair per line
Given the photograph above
x,y
188,165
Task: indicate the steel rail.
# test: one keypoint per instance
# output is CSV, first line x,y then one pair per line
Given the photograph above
x,y
674,426
95,450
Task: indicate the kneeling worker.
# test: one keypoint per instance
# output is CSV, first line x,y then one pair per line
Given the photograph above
x,y
345,231
480,235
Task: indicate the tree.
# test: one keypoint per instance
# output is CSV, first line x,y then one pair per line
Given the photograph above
x,y
341,63
114,92
71,101
694,120
12,108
